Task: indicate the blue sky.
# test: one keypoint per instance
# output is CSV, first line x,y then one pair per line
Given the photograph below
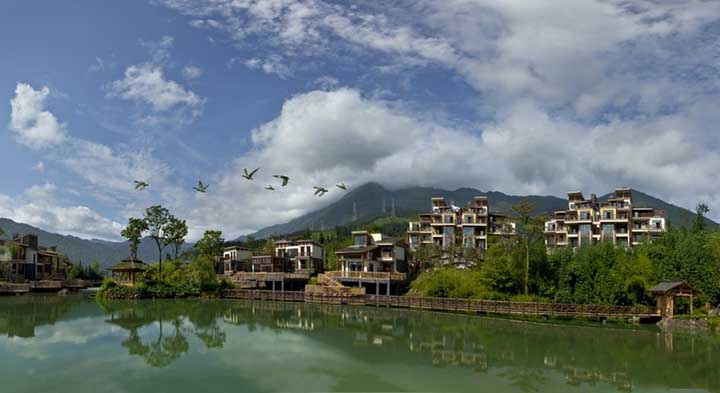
x,y
521,97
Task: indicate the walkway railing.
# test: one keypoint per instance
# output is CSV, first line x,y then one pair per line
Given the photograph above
x,y
449,304
371,275
268,276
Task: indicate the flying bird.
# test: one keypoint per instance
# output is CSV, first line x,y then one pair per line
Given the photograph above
x,y
284,178
201,187
249,175
270,188
140,185
319,191
341,186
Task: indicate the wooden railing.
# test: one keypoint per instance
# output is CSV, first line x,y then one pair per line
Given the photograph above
x,y
325,290
370,275
314,294
268,276
46,284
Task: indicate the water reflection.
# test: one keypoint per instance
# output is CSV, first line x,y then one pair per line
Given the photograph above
x,y
181,318
526,357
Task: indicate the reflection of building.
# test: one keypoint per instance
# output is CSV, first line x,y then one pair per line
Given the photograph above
x,y
449,225
588,221
305,255
31,261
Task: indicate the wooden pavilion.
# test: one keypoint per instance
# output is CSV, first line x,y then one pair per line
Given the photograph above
x,y
127,270
666,292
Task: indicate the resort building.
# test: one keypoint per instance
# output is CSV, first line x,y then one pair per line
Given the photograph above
x,y
449,225
31,261
373,260
589,221
304,255
233,259
372,252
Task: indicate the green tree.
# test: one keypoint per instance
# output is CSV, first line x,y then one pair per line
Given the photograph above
x,y
175,233
700,211
134,232
211,244
530,229
157,219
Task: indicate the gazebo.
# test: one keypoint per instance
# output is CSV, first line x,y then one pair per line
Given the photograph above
x,y
124,272
666,292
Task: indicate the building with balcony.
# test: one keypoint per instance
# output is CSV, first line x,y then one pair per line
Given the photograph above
x,y
30,261
305,255
589,221
449,225
235,259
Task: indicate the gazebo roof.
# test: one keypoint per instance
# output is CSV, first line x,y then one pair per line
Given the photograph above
x,y
673,287
129,265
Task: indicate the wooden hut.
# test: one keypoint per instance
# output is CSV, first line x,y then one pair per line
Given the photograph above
x,y
666,292
126,271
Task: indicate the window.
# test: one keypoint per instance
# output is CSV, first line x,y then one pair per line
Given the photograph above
x,y
361,240
608,215
448,219
469,231
414,240
608,229
469,219
584,215
448,231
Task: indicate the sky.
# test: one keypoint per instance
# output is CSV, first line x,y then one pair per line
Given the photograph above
x,y
524,97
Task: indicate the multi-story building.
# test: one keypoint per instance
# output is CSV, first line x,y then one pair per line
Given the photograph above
x,y
31,261
235,259
588,221
305,255
372,252
449,225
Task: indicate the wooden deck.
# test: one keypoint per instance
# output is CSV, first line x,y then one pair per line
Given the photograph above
x,y
366,276
458,305
268,276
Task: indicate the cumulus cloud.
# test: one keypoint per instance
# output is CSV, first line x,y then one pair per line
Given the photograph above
x,y
38,206
146,83
34,126
323,137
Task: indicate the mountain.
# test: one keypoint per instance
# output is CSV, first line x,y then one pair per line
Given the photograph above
x,y
107,253
373,200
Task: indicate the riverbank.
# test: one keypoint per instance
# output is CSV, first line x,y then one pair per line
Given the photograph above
x,y
690,324
471,306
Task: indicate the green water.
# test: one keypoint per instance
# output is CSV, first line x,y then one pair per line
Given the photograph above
x,y
72,344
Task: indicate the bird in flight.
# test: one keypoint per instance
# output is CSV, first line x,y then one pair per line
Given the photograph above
x,y
270,188
140,185
249,175
341,186
284,178
201,187
319,191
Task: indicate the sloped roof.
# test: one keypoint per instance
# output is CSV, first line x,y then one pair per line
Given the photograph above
x,y
130,265
672,286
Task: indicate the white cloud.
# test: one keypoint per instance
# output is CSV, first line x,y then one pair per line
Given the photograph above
x,y
39,167
192,72
324,137
34,126
146,84
269,65
39,206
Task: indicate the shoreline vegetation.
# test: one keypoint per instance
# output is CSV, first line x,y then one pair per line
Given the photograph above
x,y
512,269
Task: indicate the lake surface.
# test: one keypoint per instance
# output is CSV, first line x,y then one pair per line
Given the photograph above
x,y
73,344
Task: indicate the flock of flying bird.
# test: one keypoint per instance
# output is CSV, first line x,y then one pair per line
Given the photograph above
x,y
201,187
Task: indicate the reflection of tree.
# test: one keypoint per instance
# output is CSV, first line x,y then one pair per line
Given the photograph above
x,y
163,350
525,380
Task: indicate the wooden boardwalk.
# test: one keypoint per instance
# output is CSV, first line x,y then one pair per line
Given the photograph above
x,y
458,305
